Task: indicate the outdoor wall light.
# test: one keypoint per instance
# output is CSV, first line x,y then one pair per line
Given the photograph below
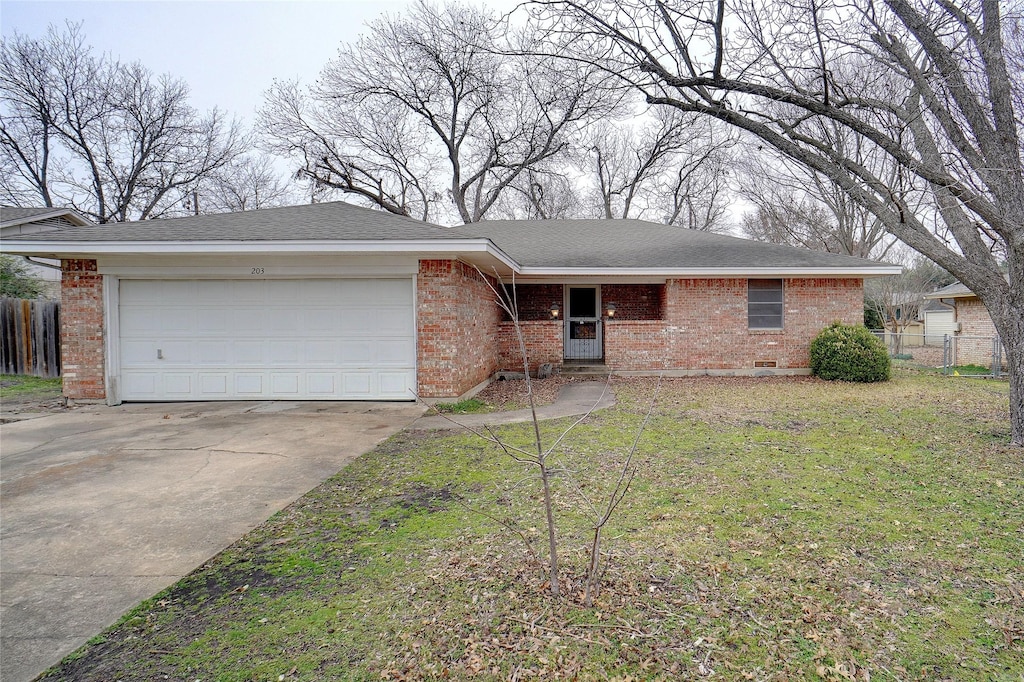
x,y
611,310
555,309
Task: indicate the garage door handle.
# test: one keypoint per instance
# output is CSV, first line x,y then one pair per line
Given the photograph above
x,y
159,354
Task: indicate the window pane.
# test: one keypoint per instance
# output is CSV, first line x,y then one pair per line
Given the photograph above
x,y
764,303
583,302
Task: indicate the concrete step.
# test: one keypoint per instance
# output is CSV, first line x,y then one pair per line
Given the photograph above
x,y
586,369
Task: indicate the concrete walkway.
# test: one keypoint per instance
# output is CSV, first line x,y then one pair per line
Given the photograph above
x,y
573,400
105,506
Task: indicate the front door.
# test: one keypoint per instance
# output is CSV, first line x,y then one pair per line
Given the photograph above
x,y
583,323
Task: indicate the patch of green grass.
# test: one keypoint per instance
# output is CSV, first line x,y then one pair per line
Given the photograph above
x,y
15,385
776,530
466,406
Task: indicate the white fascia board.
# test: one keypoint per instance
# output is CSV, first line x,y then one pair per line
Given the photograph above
x,y
441,247
687,273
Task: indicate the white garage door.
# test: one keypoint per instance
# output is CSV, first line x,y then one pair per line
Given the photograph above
x,y
314,339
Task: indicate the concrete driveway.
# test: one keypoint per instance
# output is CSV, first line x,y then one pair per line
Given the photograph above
x,y
102,507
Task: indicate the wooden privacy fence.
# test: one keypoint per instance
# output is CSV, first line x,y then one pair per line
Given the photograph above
x,y
30,337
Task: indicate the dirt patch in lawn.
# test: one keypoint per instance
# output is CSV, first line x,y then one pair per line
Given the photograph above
x,y
510,394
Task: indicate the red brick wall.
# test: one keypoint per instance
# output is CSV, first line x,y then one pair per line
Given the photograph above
x,y
543,341
633,301
705,326
457,328
81,330
535,300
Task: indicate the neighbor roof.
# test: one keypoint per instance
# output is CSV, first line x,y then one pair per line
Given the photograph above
x,y
957,290
544,247
15,215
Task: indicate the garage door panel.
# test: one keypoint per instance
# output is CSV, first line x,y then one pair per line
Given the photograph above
x,y
267,339
211,321
284,352
248,353
140,384
395,385
393,353
178,384
323,384
238,292
247,320
212,352
213,385
320,321
249,384
358,384
322,353
142,292
284,383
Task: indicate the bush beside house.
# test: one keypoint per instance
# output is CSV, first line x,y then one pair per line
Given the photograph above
x,y
849,353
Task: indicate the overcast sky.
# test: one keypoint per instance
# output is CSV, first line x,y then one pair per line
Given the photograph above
x,y
228,52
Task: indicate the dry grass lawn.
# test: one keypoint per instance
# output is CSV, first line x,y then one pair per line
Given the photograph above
x,y
779,529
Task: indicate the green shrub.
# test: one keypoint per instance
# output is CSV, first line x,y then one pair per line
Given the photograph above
x,y
849,353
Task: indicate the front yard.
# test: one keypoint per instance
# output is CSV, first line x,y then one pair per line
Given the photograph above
x,y
778,529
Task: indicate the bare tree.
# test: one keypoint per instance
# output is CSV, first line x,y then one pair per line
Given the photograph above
x,y
668,168
933,85
111,140
432,114
797,206
544,193
899,300
248,183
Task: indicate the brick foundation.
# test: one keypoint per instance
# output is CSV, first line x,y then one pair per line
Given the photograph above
x,y
81,330
457,329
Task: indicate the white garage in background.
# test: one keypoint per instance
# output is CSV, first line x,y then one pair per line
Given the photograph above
x,y
273,339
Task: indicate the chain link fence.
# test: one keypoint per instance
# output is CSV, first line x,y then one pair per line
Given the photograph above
x,y
980,356
953,355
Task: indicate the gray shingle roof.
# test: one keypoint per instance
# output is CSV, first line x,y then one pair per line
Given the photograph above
x,y
607,244
327,221
640,244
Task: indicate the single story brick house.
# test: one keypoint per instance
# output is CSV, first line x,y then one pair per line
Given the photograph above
x,y
336,302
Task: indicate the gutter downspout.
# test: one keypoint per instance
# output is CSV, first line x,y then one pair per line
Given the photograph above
x,y
41,264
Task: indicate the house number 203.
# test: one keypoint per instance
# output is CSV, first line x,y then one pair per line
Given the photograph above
x,y
257,271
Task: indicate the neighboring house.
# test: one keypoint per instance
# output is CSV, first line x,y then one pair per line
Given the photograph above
x,y
335,302
972,325
18,222
970,315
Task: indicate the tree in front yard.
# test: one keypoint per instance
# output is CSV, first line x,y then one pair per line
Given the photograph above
x,y
933,89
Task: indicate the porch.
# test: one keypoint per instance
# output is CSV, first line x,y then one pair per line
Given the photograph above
x,y
582,324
